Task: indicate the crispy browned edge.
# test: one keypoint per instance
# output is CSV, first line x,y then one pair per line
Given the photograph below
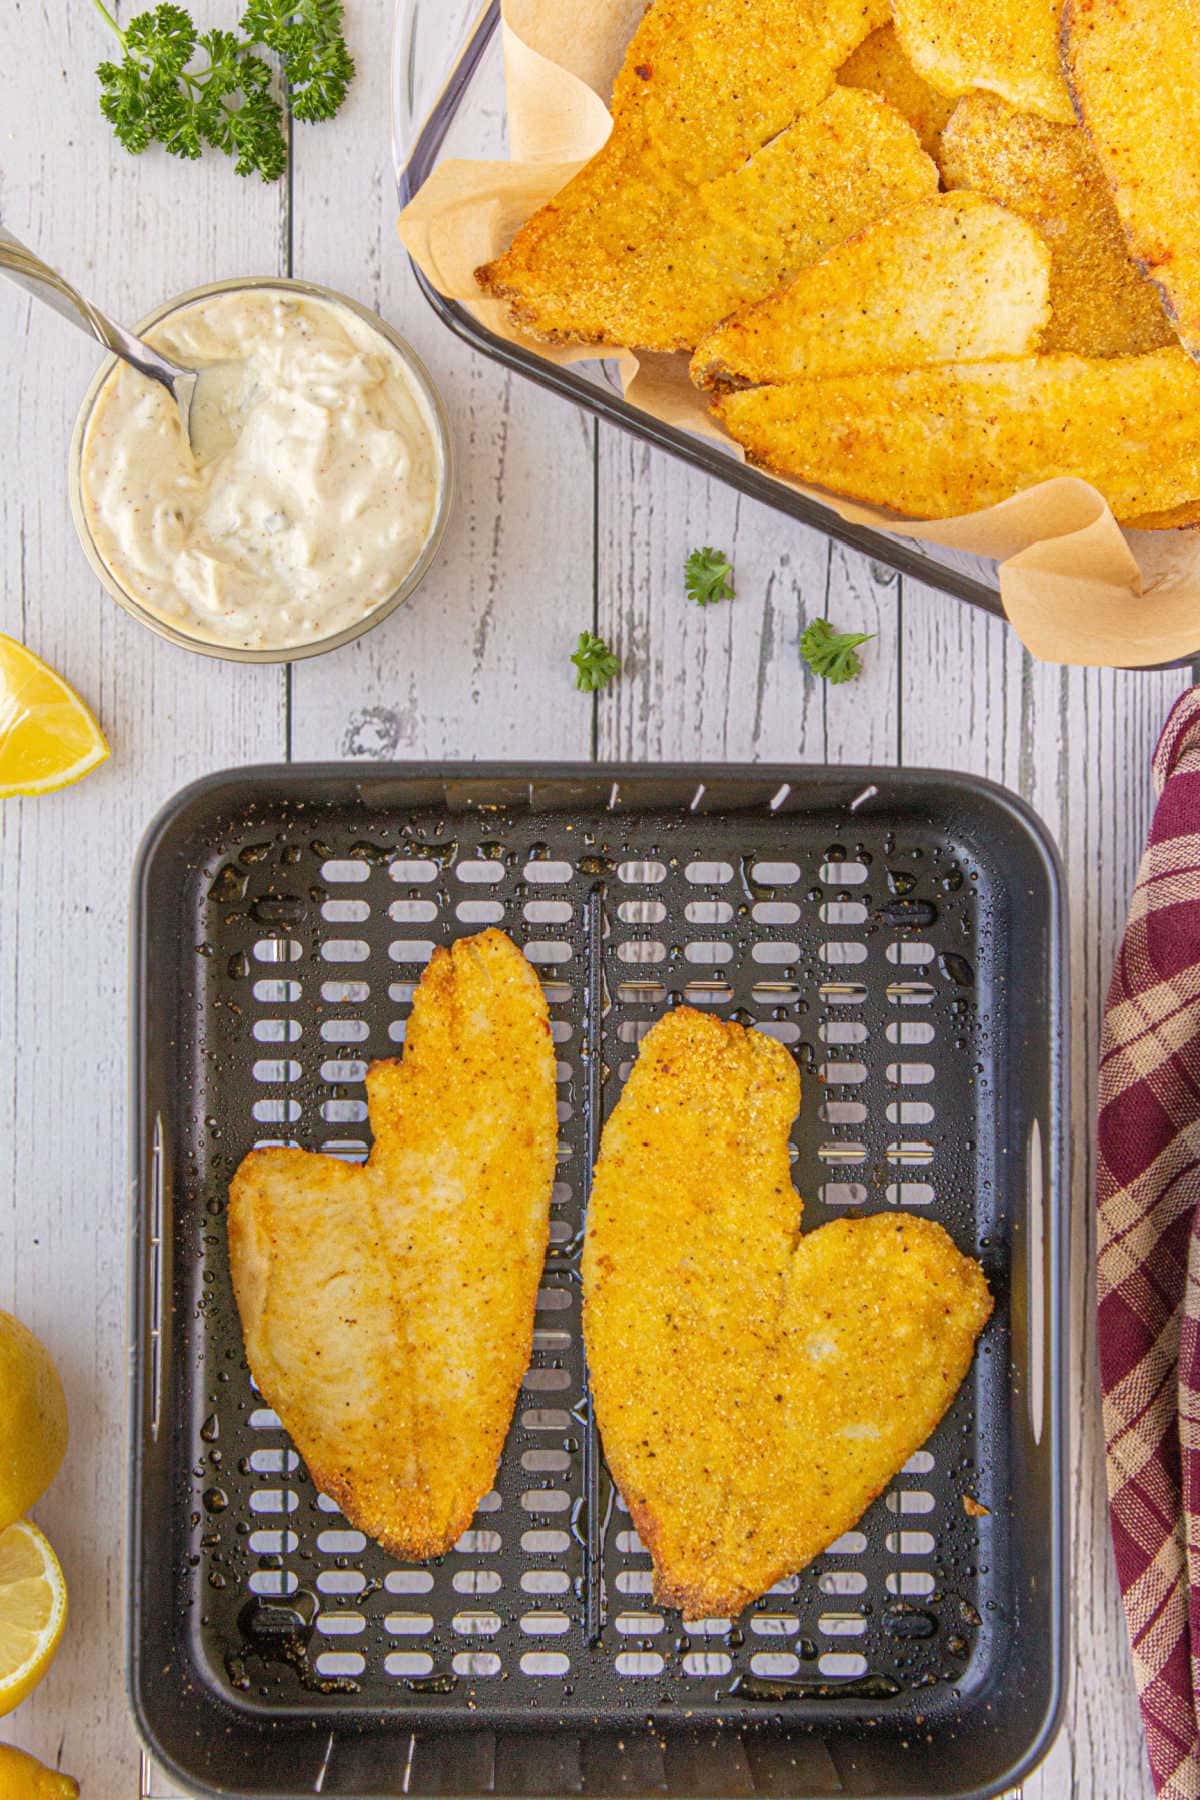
x,y
1147,269
1177,518
524,315
521,312
718,378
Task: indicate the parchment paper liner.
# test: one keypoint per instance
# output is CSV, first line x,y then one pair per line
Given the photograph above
x,y
1076,587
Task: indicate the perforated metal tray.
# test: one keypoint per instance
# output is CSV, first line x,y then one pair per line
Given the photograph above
x,y
903,933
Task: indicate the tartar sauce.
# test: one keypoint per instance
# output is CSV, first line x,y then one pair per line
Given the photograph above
x,y
313,489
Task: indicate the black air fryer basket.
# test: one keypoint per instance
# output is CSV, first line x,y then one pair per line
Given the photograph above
x,y
903,934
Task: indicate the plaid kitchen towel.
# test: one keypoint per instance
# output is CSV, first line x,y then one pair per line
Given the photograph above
x,y
1148,1182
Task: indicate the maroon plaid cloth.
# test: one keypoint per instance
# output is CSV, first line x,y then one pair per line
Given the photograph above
x,y
1148,1190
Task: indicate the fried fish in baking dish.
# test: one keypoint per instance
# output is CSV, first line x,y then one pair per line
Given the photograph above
x,y
733,161
934,442
388,1309
1101,304
755,1389
949,279
633,253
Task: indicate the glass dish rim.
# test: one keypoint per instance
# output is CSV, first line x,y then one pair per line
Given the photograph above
x,y
185,640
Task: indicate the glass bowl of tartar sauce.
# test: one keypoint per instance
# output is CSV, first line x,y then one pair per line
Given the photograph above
x,y
318,493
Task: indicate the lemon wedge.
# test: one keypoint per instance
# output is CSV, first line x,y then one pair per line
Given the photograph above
x,y
33,1611
22,1777
48,738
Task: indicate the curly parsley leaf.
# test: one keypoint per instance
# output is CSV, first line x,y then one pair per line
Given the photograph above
x,y
165,37
306,35
127,100
708,576
831,654
595,662
184,88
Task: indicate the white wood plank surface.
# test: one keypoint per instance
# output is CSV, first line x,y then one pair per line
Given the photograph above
x,y
131,233
471,667
559,526
721,683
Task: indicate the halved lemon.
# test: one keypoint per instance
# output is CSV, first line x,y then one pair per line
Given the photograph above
x,y
33,1611
33,1421
48,738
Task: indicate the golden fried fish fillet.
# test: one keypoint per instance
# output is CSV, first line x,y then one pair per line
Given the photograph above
x,y
1133,68
1008,47
935,442
705,83
950,279
880,65
1101,304
755,1389
632,253
388,1309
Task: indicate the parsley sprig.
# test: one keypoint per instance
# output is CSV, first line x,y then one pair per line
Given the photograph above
x,y
708,576
306,35
595,663
831,654
183,88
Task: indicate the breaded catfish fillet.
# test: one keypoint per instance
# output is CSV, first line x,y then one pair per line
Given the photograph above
x,y
632,253
1100,302
388,1309
755,1389
1007,47
950,279
935,442
1133,67
880,66
706,83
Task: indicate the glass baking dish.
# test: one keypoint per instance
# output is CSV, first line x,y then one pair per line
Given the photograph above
x,y
448,100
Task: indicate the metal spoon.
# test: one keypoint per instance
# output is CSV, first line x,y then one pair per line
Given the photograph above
x,y
44,283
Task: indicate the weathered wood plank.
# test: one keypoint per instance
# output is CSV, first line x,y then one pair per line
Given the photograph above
x,y
131,233
476,664
722,683
863,716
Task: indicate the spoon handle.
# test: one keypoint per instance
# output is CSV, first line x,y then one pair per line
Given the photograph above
x,y
29,271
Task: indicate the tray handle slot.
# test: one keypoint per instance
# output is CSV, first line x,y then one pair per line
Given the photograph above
x,y
344,1762
1038,1279
157,1167
459,1764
